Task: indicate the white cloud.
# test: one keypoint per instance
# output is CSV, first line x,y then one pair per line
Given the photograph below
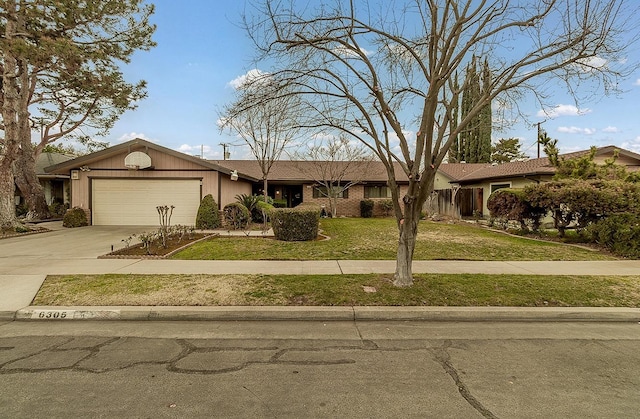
x,y
611,129
248,77
562,110
632,145
350,51
592,64
637,82
132,136
204,151
577,130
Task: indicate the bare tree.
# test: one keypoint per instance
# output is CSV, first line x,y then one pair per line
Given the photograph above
x,y
268,126
390,68
335,165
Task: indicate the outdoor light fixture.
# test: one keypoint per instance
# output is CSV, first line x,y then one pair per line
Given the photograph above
x,y
234,175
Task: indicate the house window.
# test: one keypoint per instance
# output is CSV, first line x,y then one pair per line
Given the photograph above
x,y
377,191
496,186
322,192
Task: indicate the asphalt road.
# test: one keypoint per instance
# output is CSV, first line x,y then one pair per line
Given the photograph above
x,y
312,369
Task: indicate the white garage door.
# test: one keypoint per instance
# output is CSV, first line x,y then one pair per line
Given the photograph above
x,y
134,201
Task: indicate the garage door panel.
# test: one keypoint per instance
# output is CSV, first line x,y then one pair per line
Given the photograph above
x,y
134,201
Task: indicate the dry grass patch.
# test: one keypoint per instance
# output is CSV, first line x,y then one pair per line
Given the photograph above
x,y
141,290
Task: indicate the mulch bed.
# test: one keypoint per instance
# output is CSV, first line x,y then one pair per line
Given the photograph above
x,y
156,250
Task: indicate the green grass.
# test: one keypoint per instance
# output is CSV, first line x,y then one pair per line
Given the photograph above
x,y
377,238
341,290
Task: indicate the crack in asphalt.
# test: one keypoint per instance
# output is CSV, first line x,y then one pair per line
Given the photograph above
x,y
443,357
186,349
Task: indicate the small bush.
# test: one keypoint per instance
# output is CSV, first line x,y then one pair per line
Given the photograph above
x,y
58,209
280,203
386,206
620,233
264,208
366,208
21,209
75,217
208,217
236,216
296,224
22,229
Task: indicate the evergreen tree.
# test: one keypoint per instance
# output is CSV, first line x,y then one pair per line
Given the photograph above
x,y
474,144
507,150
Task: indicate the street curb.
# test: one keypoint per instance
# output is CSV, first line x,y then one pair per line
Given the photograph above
x,y
7,315
321,313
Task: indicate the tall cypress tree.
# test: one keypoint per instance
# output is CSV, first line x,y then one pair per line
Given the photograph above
x,y
474,144
484,152
454,151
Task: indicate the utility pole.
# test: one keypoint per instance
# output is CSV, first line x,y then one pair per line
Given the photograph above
x,y
541,132
225,153
538,141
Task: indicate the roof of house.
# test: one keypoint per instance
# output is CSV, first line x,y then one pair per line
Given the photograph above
x,y
46,159
457,171
135,144
533,167
301,171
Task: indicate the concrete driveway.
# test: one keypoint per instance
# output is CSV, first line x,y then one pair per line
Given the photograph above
x,y
67,243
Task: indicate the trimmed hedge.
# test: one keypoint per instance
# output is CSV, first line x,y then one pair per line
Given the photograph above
x,y
75,217
296,224
236,216
208,216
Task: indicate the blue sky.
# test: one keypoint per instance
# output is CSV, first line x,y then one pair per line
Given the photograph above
x,y
201,49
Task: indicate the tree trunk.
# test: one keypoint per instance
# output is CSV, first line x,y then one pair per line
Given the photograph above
x,y
333,205
29,185
10,112
8,218
403,276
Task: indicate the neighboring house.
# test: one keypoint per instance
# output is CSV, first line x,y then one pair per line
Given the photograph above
x,y
123,184
480,180
56,186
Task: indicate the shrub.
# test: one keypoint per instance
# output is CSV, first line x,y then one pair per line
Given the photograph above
x,y
208,217
366,208
250,202
21,209
512,205
620,233
236,216
58,209
280,203
296,224
75,217
386,206
264,208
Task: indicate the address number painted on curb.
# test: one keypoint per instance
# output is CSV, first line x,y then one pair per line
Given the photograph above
x,y
53,314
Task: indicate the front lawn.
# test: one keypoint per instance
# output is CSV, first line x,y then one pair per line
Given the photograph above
x,y
376,239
